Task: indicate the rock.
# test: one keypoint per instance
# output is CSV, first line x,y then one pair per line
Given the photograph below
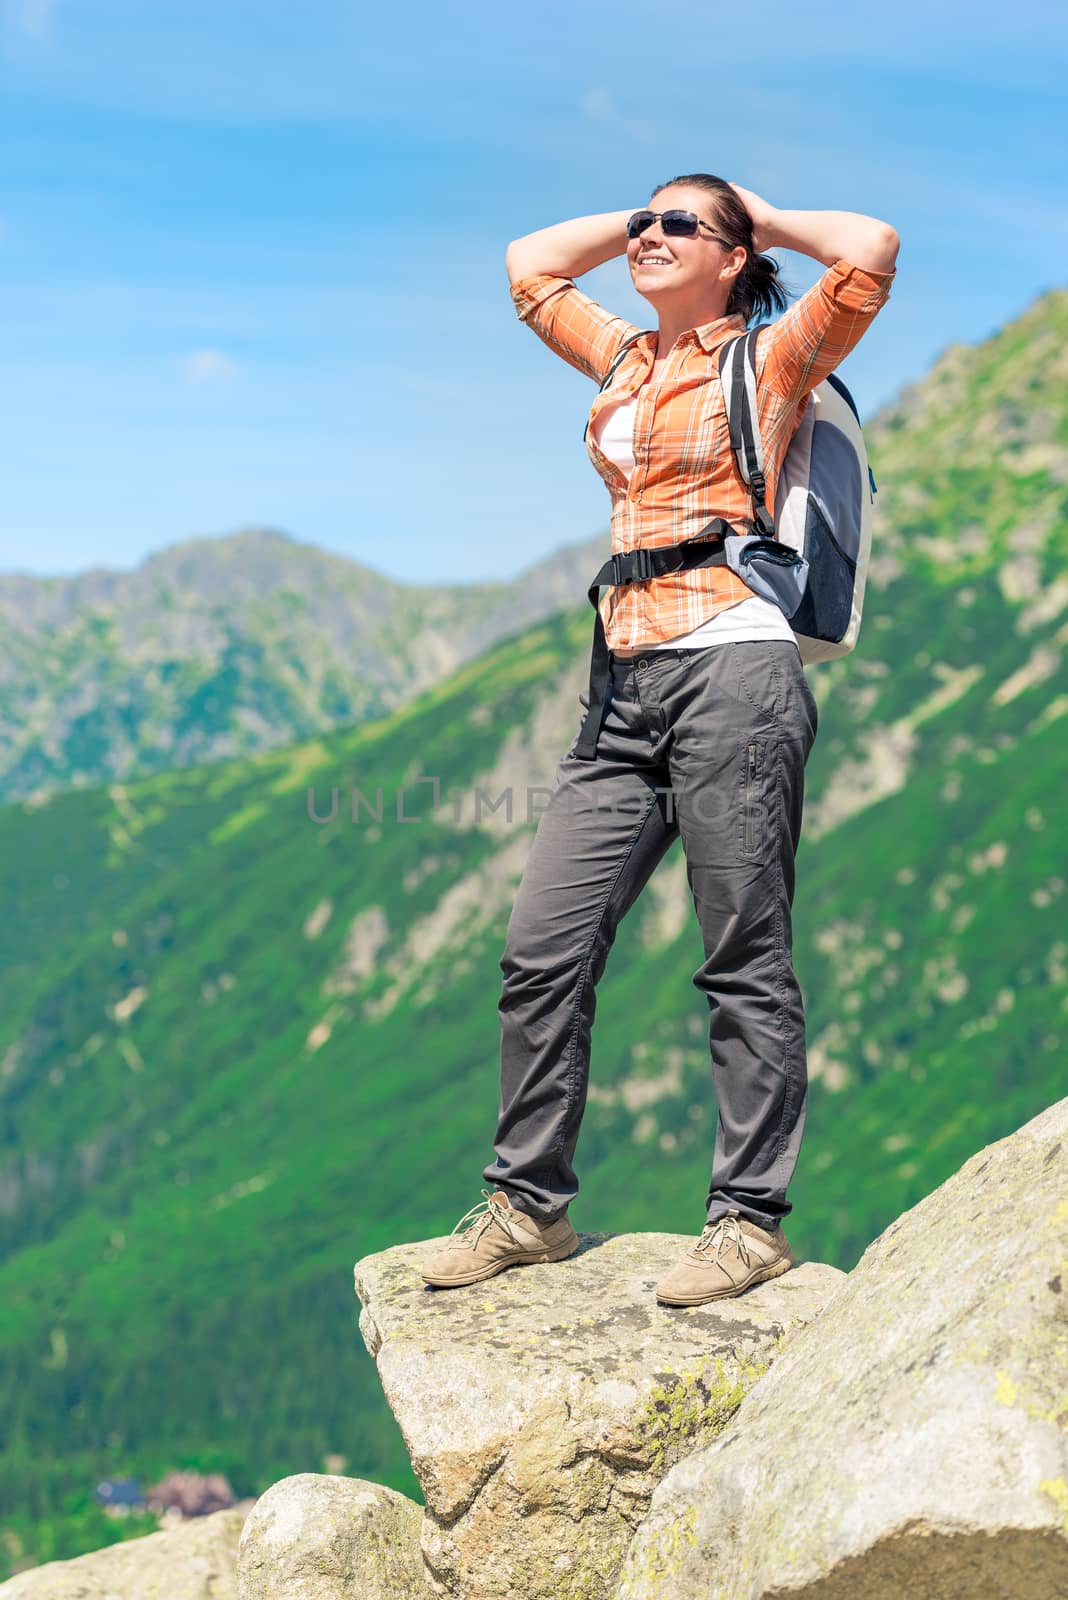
x,y
541,1407
320,1537
196,1561
917,1441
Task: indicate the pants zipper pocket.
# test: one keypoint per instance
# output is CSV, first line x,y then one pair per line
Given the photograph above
x,y
749,772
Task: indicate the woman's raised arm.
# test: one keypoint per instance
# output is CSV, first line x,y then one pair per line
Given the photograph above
x,y
828,236
818,331
568,249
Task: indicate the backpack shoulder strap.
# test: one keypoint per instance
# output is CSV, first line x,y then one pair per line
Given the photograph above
x,y
737,372
620,353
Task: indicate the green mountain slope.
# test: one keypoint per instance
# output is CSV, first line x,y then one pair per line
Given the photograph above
x,y
242,1047
222,647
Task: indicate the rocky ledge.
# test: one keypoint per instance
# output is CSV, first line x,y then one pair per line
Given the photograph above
x,y
917,1443
194,1561
542,1407
900,1429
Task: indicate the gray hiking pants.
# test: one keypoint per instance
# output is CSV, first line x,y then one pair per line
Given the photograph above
x,y
710,744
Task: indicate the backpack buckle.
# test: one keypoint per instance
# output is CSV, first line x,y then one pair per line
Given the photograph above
x,y
633,566
644,569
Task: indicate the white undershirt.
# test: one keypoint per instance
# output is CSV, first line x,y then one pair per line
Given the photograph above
x,y
752,618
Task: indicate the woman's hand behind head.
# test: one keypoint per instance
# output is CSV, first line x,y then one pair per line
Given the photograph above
x,y
762,214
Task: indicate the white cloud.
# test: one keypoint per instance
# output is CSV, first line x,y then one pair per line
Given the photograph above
x,y
34,18
597,104
209,366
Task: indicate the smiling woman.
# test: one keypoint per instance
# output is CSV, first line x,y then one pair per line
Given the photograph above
x,y
705,723
658,436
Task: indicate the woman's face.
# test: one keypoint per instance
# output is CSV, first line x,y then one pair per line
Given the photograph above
x,y
662,262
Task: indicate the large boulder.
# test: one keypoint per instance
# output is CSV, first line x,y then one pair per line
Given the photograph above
x,y
916,1442
321,1537
195,1561
542,1407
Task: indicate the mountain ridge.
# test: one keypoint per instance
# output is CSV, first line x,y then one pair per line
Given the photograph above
x,y
219,647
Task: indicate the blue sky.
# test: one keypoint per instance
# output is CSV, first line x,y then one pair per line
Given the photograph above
x,y
252,255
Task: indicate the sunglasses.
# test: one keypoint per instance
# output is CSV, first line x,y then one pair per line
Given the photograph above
x,y
675,224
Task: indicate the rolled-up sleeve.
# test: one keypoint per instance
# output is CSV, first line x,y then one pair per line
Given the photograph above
x,y
819,330
575,327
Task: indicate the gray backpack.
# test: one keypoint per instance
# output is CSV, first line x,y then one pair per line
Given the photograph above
x,y
811,559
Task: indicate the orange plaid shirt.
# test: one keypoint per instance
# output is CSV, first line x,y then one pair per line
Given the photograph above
x,y
685,472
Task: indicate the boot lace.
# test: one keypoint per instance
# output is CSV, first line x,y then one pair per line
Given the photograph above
x,y
473,1224
717,1234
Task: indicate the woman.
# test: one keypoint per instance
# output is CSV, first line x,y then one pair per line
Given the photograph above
x,y
707,725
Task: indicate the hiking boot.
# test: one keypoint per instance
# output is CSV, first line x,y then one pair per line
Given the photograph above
x,y
493,1236
731,1255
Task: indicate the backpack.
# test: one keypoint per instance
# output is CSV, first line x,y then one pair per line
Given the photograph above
x,y
811,561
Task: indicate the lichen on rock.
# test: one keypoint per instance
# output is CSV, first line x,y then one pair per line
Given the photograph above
x,y
917,1439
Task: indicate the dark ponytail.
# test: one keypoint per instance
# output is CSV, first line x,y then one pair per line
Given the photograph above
x,y
758,290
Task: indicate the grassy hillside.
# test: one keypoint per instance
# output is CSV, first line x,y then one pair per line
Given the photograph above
x,y
241,1047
